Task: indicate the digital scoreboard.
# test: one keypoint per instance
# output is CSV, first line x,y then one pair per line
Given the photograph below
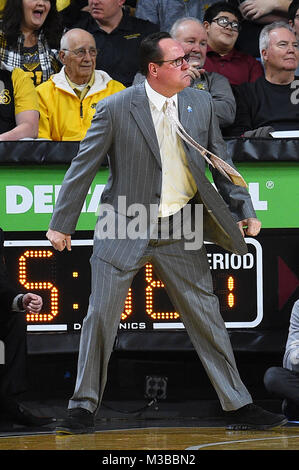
x,y
63,281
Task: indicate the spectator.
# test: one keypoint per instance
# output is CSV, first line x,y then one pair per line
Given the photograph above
x,y
13,379
18,106
284,381
267,104
257,14
68,99
293,17
222,22
192,36
29,37
60,4
117,35
165,12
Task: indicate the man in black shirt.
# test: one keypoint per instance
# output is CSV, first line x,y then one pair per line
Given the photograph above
x,y
271,103
13,331
117,34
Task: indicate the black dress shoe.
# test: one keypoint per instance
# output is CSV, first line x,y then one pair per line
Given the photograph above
x,y
253,417
290,410
19,414
78,421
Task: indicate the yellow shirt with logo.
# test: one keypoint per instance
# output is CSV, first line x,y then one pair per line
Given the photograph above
x,y
25,95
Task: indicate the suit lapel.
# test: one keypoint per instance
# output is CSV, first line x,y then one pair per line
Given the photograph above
x,y
185,112
141,113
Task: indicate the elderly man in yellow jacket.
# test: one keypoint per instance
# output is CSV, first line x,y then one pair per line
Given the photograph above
x,y
67,101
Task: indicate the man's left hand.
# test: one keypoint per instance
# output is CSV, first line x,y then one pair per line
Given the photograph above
x,y
250,227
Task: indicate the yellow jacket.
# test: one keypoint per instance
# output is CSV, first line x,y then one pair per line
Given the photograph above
x,y
62,115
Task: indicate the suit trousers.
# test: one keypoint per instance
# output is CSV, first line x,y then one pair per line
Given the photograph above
x,y
284,383
188,282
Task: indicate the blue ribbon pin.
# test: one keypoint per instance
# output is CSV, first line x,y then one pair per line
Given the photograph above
x,y
189,109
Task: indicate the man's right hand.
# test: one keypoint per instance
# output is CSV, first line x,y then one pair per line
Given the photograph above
x,y
59,240
195,72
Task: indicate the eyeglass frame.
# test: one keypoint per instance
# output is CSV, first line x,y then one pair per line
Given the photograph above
x,y
229,23
80,49
185,58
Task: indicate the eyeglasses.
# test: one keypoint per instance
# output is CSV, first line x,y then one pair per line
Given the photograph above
x,y
224,22
82,52
176,62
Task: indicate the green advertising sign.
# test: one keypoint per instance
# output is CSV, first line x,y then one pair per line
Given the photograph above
x,y
28,195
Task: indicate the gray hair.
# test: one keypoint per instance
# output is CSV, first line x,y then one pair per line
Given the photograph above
x,y
180,21
264,35
64,42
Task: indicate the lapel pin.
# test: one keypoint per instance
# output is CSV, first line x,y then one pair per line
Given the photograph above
x,y
189,109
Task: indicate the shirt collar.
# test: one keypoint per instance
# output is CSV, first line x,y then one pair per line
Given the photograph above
x,y
81,93
234,53
123,25
156,98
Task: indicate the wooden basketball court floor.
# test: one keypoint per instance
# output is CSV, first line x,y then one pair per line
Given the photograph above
x,y
153,434
159,438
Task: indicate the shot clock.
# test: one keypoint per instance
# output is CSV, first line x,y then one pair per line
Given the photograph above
x,y
63,281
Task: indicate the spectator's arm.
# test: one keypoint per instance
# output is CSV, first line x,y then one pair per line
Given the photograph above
x,y
256,9
26,107
27,126
223,99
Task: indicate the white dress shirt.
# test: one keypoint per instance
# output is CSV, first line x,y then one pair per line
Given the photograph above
x,y
178,185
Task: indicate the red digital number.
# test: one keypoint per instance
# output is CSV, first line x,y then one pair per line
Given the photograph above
x,y
38,285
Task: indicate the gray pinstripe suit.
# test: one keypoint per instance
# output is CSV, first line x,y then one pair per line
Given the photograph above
x,y
123,128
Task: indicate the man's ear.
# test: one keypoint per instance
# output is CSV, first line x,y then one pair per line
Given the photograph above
x,y
206,25
264,54
62,56
152,69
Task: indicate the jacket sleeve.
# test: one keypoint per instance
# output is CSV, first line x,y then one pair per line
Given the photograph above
x,y
92,151
223,98
292,345
7,291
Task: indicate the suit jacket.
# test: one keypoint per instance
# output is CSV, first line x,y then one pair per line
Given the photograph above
x,y
123,128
